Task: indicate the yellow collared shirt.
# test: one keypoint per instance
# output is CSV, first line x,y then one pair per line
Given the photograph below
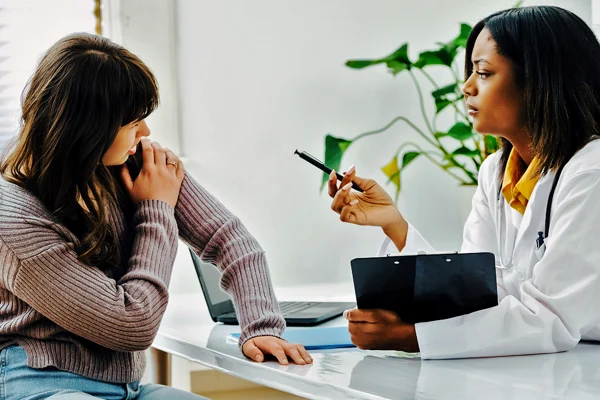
x,y
518,186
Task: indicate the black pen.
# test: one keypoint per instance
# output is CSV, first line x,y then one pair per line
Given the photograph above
x,y
540,240
307,157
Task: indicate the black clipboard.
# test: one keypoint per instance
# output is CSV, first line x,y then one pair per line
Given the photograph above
x,y
426,287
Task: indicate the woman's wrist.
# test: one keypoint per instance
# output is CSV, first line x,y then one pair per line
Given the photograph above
x,y
397,230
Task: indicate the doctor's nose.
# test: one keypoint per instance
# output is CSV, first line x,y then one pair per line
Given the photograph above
x,y
469,89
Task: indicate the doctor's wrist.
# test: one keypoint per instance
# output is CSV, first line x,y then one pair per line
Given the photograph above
x,y
397,230
407,339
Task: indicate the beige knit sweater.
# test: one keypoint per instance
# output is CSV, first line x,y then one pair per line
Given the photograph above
x,y
79,319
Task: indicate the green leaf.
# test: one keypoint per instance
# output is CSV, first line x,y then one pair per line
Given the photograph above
x,y
400,55
518,4
447,51
461,131
464,151
440,104
435,57
396,67
461,39
408,157
359,64
392,171
491,144
444,102
443,91
397,61
334,150
439,135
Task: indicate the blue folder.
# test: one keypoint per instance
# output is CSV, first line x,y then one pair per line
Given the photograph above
x,y
314,338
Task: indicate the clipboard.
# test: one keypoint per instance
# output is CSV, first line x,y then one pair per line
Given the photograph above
x,y
426,287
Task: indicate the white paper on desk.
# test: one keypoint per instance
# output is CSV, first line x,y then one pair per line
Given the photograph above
x,y
232,340
394,354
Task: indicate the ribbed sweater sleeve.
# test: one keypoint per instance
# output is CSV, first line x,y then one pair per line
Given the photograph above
x,y
121,315
220,238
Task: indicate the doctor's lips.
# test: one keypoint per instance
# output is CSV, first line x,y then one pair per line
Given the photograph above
x,y
471,110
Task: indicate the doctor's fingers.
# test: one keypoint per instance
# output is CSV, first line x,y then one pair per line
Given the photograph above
x,y
332,184
348,176
370,316
348,212
363,328
342,198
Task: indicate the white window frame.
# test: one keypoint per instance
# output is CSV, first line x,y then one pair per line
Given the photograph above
x,y
148,29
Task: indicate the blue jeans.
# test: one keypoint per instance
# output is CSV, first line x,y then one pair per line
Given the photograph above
x,y
20,382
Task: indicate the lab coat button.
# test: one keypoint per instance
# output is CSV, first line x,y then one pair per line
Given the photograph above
x,y
521,275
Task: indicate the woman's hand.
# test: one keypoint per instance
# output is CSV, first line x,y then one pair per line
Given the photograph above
x,y
256,349
373,207
380,330
160,177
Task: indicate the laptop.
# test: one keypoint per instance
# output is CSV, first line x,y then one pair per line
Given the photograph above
x,y
296,313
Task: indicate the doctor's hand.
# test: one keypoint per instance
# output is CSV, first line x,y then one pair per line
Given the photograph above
x,y
257,347
381,330
373,207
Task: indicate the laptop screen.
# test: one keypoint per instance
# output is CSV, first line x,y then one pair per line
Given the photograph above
x,y
217,300
212,279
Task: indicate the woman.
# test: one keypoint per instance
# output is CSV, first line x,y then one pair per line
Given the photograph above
x,y
530,78
88,241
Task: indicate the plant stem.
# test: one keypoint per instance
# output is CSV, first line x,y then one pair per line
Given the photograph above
x,y
439,144
430,79
458,80
433,160
421,102
389,125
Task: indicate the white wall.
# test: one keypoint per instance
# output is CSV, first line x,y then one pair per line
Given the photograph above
x,y
258,79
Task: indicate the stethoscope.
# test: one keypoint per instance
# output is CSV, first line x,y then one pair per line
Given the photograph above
x,y
501,228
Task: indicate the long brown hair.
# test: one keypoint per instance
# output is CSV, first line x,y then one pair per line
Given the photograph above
x,y
555,57
83,90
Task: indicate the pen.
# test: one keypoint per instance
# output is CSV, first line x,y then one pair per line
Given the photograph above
x,y
540,239
307,157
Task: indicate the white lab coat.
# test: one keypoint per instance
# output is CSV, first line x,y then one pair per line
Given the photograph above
x,y
545,305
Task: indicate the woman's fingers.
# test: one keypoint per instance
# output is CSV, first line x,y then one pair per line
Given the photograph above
x,y
160,156
178,169
147,153
279,353
294,354
253,352
172,160
304,354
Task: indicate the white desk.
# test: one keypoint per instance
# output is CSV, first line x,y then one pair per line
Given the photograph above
x,y
187,331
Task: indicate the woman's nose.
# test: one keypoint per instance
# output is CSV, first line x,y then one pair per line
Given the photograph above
x,y
469,89
144,131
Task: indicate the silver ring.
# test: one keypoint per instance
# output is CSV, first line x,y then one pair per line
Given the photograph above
x,y
173,163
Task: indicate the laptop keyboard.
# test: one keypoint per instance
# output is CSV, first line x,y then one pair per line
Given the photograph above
x,y
290,307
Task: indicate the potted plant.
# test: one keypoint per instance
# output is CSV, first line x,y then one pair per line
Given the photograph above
x,y
456,149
